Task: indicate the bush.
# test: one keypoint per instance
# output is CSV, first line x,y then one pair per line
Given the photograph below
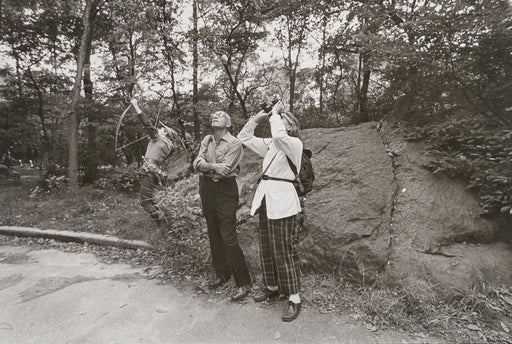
x,y
124,178
187,237
477,150
54,180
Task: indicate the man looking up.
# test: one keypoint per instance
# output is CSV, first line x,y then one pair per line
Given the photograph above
x,y
219,161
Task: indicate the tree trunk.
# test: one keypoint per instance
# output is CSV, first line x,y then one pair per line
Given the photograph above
x,y
322,67
41,112
175,95
73,115
291,75
292,92
234,86
231,98
337,84
195,64
358,89
92,163
168,50
19,82
363,94
296,26
131,65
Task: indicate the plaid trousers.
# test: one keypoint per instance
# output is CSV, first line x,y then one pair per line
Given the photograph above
x,y
279,258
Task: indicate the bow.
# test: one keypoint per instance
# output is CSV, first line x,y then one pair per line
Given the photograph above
x,y
118,128
125,112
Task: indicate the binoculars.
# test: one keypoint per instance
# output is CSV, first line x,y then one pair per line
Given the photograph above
x,y
267,105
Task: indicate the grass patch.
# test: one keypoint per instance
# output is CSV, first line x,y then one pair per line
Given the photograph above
x,y
90,210
483,316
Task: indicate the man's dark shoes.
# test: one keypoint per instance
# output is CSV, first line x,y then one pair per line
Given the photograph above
x,y
241,292
218,282
292,311
265,294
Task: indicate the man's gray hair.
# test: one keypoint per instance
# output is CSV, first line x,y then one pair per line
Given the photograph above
x,y
223,114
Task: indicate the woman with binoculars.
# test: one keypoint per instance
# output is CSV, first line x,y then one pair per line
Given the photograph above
x,y
278,204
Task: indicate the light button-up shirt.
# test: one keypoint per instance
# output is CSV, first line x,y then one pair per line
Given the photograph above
x,y
228,150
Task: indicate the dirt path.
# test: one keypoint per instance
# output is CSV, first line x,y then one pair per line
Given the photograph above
x,y
49,296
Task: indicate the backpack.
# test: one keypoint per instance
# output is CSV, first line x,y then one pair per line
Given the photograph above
x,y
305,177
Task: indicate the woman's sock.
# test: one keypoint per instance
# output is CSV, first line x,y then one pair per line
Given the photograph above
x,y
273,288
295,298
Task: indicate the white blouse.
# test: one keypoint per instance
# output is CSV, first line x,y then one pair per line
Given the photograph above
x,y
280,197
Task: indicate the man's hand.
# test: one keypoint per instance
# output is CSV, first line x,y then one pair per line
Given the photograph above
x,y
222,169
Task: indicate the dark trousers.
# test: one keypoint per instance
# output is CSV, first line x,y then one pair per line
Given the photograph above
x,y
147,190
220,202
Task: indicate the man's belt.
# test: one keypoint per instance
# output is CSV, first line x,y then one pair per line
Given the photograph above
x,y
216,180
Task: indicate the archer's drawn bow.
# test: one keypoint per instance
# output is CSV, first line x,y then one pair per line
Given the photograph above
x,y
118,127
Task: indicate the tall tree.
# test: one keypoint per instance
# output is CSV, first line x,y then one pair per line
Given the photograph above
x,y
163,17
33,31
231,33
358,42
129,30
322,58
195,67
92,162
73,114
292,29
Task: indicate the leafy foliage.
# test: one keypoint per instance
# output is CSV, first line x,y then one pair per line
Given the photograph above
x,y
335,62
186,235
54,181
119,178
477,151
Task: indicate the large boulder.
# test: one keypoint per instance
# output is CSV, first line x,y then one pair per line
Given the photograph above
x,y
348,212
438,233
349,209
377,213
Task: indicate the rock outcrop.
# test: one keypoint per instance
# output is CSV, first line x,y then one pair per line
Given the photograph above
x,y
438,233
350,207
376,213
348,212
